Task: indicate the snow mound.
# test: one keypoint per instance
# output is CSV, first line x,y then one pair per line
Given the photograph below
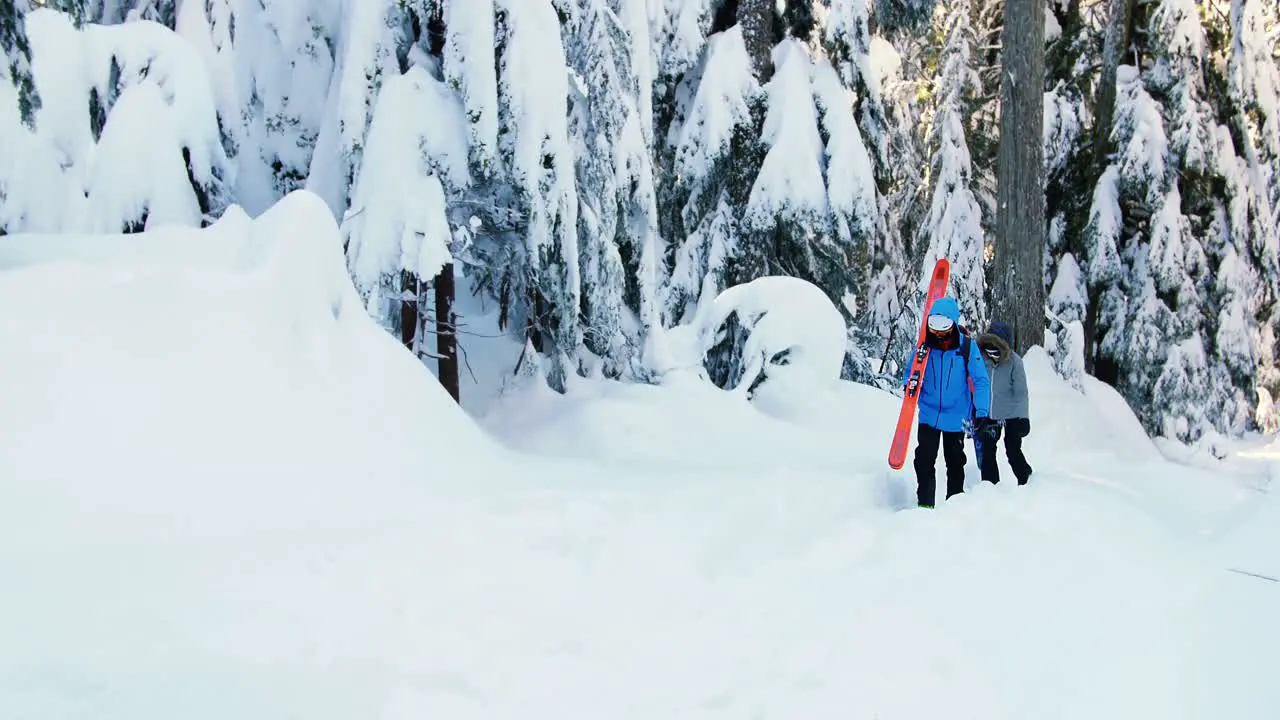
x,y
795,337
235,363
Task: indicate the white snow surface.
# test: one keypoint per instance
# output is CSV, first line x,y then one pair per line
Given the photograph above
x,y
225,492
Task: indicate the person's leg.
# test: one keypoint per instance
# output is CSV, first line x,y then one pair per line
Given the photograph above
x,y
1016,429
986,450
926,457
953,452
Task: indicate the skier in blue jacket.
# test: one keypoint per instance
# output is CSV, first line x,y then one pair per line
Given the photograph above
x,y
955,385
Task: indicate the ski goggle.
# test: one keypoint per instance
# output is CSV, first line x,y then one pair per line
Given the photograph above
x,y
940,323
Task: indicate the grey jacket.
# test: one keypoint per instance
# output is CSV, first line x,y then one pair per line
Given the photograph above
x,y
1009,397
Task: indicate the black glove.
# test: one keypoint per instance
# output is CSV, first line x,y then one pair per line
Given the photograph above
x,y
986,428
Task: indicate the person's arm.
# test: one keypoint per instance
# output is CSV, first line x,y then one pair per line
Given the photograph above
x,y
981,383
1019,380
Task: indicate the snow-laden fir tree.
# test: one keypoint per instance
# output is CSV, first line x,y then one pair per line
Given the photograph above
x,y
415,159
1071,52
16,58
127,135
714,104
643,247
1254,90
470,67
278,68
847,39
1179,262
893,311
533,142
603,100
367,52
1149,319
954,226
787,225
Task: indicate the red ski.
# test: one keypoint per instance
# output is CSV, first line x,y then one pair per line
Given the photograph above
x,y
906,417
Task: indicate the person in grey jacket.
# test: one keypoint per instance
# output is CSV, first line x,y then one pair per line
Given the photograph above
x,y
1010,405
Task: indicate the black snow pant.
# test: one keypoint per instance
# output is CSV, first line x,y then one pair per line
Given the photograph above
x,y
1015,429
927,440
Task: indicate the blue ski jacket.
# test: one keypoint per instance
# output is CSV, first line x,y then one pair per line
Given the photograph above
x,y
946,400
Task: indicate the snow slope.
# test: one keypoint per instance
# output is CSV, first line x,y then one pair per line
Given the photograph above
x,y
224,492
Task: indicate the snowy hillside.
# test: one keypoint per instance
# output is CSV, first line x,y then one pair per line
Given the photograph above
x,y
226,492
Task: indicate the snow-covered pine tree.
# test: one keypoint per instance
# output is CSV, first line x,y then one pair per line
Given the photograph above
x,y
402,225
144,52
533,142
643,248
1254,119
160,11
1070,53
714,104
367,51
787,222
847,40
603,101
16,60
277,61
471,69
908,15
954,226
982,128
1176,258
853,202
99,165
1067,302
1149,319
1255,88
903,67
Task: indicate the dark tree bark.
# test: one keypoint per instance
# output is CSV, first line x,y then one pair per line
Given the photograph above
x,y
447,332
1020,225
410,291
756,19
1119,26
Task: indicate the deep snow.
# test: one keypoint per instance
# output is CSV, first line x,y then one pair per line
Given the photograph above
x,y
225,492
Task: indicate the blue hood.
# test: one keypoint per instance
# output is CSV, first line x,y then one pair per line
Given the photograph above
x,y
946,307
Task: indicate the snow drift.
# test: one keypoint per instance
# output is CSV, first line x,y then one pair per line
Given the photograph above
x,y
223,341
225,492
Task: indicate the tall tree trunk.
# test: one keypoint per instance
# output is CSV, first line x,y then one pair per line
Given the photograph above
x,y
1119,26
1020,225
410,291
447,332
756,19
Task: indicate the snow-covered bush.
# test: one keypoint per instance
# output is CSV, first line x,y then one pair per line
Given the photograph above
x,y
779,330
1067,307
